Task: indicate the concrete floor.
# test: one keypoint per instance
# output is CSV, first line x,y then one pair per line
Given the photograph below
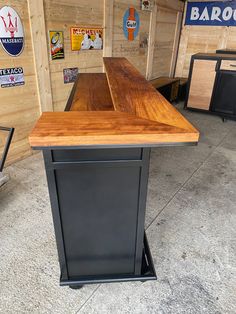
x,y
190,221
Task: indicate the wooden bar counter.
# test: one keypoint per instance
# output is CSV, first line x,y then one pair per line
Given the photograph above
x,y
96,156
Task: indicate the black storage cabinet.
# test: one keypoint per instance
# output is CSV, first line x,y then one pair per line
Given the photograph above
x,y
106,242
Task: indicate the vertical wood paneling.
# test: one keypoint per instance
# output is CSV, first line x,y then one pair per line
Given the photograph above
x,y
61,15
39,42
19,105
121,46
108,27
196,39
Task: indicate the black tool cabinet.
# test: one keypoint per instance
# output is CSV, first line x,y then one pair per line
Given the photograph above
x,y
213,90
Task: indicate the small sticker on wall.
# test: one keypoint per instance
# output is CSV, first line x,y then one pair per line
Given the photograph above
x,y
11,31
56,45
10,77
70,75
131,24
146,5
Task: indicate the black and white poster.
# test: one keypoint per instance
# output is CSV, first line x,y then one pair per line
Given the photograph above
x,y
10,77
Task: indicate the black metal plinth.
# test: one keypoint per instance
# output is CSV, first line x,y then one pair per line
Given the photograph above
x,y
147,273
98,200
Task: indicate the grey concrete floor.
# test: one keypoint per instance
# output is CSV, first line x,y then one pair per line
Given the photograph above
x,y
190,222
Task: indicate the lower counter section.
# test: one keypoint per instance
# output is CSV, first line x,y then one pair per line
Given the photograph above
x,y
98,199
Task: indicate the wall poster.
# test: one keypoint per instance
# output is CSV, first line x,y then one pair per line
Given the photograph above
x,y
86,38
56,44
131,24
70,75
11,31
10,77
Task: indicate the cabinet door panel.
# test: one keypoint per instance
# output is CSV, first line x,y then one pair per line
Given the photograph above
x,y
202,83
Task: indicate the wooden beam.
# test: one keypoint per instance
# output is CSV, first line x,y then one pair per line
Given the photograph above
x,y
179,17
40,50
223,38
108,27
151,41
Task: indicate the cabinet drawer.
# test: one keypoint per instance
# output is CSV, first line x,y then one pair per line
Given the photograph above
x,y
229,65
96,154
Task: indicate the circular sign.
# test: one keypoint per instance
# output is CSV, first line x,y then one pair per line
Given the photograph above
x,y
131,24
11,31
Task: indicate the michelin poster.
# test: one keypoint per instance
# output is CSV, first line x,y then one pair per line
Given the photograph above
x,y
86,38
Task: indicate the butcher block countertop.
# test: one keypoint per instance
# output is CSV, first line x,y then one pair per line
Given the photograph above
x,y
119,108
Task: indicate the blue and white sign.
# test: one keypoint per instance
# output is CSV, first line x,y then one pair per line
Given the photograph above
x,y
11,31
211,13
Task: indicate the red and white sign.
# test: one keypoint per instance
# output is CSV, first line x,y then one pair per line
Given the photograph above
x,y
11,31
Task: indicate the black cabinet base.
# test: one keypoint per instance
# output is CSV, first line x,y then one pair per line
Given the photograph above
x,y
147,273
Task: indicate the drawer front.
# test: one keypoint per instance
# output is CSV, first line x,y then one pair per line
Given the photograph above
x,y
96,154
229,65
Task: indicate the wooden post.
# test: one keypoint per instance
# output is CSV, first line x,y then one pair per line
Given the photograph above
x,y
223,38
108,28
40,50
151,41
179,18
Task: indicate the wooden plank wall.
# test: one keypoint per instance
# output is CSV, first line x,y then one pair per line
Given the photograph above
x,y
61,15
130,49
196,39
45,89
19,106
163,44
166,24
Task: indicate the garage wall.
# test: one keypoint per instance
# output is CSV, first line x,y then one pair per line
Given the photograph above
x,y
19,105
61,15
130,49
207,39
168,26
44,87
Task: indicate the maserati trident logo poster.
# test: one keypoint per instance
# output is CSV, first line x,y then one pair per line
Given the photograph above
x,y
11,31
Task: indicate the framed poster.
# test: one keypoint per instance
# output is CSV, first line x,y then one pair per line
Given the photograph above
x,y
70,75
86,38
56,44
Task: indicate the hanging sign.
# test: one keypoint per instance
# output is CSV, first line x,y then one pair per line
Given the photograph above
x,y
215,13
131,24
11,31
86,38
56,44
11,77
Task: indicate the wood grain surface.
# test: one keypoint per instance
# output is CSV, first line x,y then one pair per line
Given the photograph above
x,y
140,115
131,93
92,93
202,83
